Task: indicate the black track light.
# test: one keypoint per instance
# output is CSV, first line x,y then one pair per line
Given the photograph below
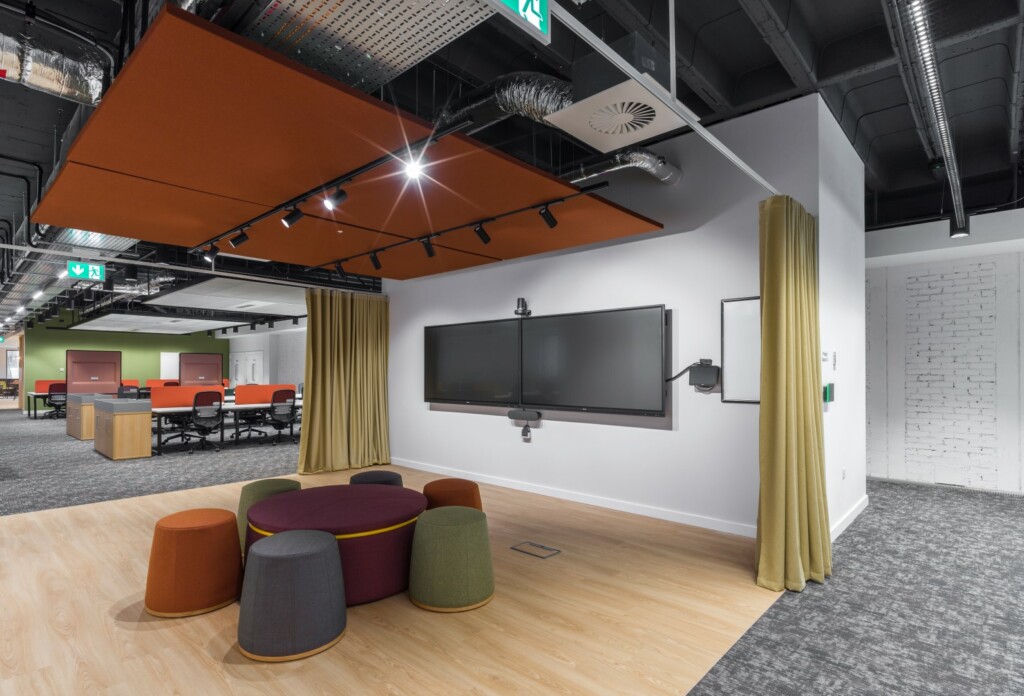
x,y
210,254
333,200
482,233
374,260
292,217
270,323
252,326
234,329
29,324
428,248
339,269
549,219
238,240
209,334
223,332
295,321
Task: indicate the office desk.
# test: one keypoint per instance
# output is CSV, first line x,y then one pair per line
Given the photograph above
x,y
122,428
160,413
33,403
81,416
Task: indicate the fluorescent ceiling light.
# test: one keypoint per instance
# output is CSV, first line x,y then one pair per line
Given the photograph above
x,y
19,310
63,274
37,294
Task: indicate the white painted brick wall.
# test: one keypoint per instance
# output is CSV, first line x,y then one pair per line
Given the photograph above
x,y
950,375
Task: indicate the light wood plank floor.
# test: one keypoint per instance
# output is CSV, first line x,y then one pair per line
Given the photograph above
x,y
631,606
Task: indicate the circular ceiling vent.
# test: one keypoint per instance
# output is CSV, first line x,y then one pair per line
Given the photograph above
x,y
622,117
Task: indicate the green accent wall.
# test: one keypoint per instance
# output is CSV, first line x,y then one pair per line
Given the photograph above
x,y
140,353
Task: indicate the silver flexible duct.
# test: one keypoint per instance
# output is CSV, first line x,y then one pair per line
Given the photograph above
x,y
50,71
628,158
536,95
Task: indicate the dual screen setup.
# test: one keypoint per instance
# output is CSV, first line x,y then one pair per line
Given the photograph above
x,y
610,361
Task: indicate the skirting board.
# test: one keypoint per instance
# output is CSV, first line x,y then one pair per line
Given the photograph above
x,y
846,520
747,530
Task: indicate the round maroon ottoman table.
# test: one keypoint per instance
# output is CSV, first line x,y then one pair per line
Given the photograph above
x,y
373,524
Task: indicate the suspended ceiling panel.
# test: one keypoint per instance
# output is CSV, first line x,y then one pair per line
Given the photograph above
x,y
203,130
135,323
228,294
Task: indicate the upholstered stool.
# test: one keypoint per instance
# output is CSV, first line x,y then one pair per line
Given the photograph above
x,y
255,492
293,598
195,565
452,491
387,478
451,560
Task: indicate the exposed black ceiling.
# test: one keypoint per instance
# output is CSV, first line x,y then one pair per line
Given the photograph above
x,y
732,58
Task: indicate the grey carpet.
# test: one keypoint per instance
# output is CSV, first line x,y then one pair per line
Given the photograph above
x,y
42,467
926,597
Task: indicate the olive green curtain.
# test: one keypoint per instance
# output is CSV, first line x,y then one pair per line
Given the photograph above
x,y
345,401
793,540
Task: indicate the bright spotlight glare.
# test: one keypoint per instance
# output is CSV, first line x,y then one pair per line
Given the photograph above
x,y
413,169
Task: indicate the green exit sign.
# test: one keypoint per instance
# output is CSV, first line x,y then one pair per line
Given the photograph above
x,y
86,271
532,16
1,339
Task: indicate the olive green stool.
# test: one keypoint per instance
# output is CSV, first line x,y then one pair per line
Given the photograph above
x,y
253,493
451,560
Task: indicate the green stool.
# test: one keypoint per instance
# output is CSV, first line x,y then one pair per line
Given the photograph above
x,y
451,560
253,493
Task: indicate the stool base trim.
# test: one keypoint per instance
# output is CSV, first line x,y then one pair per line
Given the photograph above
x,y
194,612
451,610
298,656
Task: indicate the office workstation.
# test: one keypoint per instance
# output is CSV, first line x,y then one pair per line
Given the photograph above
x,y
680,356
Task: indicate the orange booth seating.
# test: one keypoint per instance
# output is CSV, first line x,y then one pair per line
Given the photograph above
x,y
258,393
43,385
129,382
158,382
167,397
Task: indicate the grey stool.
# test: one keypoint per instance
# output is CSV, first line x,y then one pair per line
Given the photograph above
x,y
293,597
387,478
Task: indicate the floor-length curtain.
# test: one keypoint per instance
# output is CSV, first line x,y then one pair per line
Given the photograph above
x,y
793,539
345,400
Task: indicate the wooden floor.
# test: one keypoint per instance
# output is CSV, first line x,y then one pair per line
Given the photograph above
x,y
631,606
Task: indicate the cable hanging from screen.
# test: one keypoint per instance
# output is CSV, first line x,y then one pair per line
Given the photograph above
x,y
703,375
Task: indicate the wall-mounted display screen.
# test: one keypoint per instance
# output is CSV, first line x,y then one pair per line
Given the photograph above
x,y
472,363
597,361
611,361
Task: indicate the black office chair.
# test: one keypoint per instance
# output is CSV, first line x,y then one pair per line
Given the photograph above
x,y
172,384
252,420
57,399
127,392
282,412
207,410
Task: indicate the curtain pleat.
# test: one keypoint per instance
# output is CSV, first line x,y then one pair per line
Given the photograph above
x,y
793,536
345,402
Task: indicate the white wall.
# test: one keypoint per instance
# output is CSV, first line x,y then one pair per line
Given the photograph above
x,y
945,390
841,308
704,470
284,350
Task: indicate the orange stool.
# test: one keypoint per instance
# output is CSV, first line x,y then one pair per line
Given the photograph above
x,y
195,565
452,491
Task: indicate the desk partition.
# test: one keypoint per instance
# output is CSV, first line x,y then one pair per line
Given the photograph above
x,y
168,397
93,371
258,393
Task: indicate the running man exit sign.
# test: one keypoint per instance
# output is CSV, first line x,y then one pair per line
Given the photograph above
x,y
532,16
86,271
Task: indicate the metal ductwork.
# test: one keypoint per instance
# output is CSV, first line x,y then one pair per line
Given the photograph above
x,y
536,96
628,158
28,61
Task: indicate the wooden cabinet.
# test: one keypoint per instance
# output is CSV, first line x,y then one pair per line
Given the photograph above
x,y
123,434
81,420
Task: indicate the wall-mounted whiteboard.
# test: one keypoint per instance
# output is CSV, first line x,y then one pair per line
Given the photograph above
x,y
741,350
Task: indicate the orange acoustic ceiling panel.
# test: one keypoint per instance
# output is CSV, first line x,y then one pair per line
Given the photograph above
x,y
203,131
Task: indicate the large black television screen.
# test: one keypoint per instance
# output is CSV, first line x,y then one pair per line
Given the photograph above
x,y
472,363
612,361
